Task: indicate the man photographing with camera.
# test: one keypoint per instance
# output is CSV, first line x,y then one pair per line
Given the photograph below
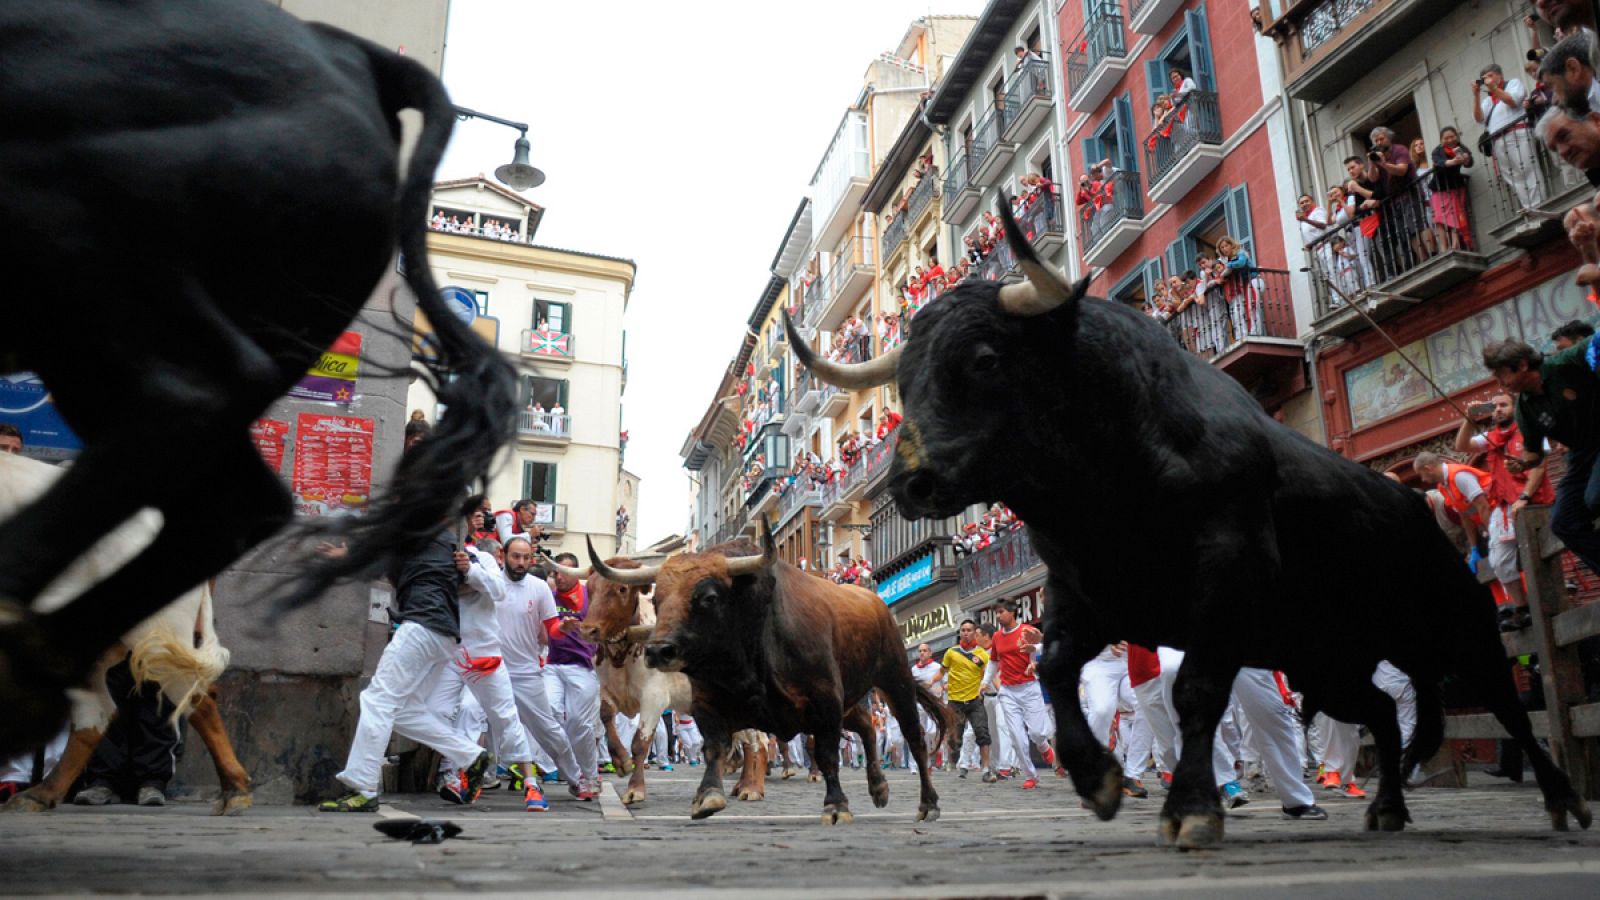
x,y
1500,106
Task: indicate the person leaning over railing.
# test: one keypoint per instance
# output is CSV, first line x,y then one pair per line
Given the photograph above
x,y
1241,287
1365,199
1449,185
1498,104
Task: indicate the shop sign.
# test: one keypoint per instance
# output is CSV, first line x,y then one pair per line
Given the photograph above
x,y
912,578
1453,355
1030,609
919,626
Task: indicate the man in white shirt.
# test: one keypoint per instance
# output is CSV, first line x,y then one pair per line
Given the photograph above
x,y
1499,105
930,674
527,614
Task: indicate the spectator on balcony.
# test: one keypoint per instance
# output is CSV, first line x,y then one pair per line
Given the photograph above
x,y
1576,141
1346,267
1241,287
1498,105
1367,196
1570,74
1566,17
1422,167
1182,87
1087,199
1026,55
1164,117
1400,224
1449,200
993,228
558,418
1314,226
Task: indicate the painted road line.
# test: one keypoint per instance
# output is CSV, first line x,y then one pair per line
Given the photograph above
x,y
611,804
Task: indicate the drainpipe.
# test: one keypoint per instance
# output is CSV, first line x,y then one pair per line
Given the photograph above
x,y
1058,149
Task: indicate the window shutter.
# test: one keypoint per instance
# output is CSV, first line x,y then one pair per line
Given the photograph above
x,y
1238,213
1091,152
1127,142
1194,23
1155,79
1180,256
561,396
550,483
566,317
1152,276
527,480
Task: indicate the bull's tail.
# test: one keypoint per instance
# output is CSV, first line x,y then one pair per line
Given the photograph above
x,y
1428,736
936,710
183,671
476,386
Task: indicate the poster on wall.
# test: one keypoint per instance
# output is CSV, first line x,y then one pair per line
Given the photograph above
x,y
26,403
332,378
1387,385
332,464
269,435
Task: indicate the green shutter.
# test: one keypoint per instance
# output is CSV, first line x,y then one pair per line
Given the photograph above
x,y
527,480
1237,210
550,483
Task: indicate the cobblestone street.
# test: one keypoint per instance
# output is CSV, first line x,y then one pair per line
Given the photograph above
x,y
992,841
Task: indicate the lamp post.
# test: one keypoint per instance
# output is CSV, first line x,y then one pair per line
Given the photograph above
x,y
518,174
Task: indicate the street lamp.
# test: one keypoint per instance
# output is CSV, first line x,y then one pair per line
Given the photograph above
x,y
518,174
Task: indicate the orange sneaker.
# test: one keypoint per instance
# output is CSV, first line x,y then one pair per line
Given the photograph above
x,y
1330,780
1352,790
1030,784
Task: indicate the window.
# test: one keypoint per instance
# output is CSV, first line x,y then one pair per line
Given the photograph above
x,y
1032,39
483,302
1189,50
555,317
1401,118
546,392
1227,214
1138,285
1114,138
539,481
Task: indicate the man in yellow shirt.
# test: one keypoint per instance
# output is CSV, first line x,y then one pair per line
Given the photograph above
x,y
963,676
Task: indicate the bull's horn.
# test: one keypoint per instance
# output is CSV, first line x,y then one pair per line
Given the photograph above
x,y
850,376
638,634
1044,290
629,577
570,572
750,565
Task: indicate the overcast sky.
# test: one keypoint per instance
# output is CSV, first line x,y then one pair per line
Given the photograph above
x,y
681,136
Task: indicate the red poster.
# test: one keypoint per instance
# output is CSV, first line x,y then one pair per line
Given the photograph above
x,y
269,435
332,464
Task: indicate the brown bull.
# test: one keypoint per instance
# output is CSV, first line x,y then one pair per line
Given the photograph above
x,y
619,620
767,646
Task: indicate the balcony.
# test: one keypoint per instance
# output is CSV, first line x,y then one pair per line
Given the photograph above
x,y
1098,58
1415,254
835,507
841,179
1328,45
800,495
1185,151
961,193
851,274
778,342
1245,327
878,460
1008,557
546,344
997,265
759,496
809,392
990,151
1106,231
1530,213
895,234
1150,16
922,196
550,516
1028,99
1041,224
544,427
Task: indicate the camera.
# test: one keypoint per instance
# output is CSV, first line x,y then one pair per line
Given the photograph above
x,y
1374,154
1477,82
1480,410
1536,54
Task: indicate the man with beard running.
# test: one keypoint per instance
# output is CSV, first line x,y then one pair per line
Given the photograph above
x,y
528,623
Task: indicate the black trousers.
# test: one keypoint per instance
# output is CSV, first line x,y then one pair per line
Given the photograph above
x,y
140,746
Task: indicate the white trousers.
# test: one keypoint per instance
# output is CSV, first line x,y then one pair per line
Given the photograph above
x,y
397,700
496,708
1022,710
797,751
1102,679
1003,753
1503,548
690,740
1514,155
19,768
1156,713
1271,729
1340,743
627,727
1135,738
659,739
533,704
1221,759
575,699
1394,682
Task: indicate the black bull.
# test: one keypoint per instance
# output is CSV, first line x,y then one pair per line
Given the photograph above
x,y
199,197
1171,510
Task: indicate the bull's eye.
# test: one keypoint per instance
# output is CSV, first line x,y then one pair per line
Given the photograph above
x,y
985,361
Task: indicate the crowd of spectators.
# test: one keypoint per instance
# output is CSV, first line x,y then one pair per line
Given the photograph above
x,y
490,228
998,522
1214,304
850,571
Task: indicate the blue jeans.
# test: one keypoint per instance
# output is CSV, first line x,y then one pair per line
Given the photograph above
x,y
1577,505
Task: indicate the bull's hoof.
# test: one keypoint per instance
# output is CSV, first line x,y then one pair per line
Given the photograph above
x,y
926,813
1571,804
814,776
880,793
1197,832
1107,796
751,795
1168,829
633,795
1394,819
232,803
708,804
27,802
837,815
789,772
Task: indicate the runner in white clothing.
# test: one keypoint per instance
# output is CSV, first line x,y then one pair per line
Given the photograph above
x,y
931,675
526,614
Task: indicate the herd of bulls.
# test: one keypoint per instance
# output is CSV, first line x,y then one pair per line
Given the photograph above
x,y
1083,416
